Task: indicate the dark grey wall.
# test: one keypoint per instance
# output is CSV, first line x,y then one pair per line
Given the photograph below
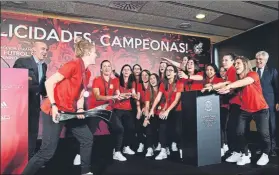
x,y
265,37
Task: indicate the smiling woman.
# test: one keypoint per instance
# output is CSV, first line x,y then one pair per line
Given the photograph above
x,y
253,106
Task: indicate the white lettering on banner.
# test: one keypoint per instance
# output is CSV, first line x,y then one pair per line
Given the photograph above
x,y
41,33
86,35
55,36
36,35
16,31
138,42
4,105
102,40
15,53
5,117
129,42
6,87
22,31
69,35
152,45
116,41
144,44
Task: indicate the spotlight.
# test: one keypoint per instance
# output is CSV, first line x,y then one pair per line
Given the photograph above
x,y
200,16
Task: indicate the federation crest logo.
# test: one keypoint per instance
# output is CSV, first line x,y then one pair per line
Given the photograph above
x,y
198,48
208,105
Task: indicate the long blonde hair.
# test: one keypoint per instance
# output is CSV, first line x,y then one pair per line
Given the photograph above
x,y
82,47
246,64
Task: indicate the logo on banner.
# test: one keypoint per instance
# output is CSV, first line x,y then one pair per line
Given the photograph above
x,y
4,105
5,117
198,48
6,87
208,105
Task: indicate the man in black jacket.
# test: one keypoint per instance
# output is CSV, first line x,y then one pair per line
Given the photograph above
x,y
37,77
269,83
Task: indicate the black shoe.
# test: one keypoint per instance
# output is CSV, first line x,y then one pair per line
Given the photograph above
x,y
273,154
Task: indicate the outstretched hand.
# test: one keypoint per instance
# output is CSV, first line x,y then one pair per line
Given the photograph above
x,y
210,88
224,90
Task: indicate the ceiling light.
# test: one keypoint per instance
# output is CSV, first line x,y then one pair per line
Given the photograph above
x,y
200,16
184,25
18,2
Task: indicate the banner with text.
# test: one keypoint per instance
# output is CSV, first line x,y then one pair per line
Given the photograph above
x,y
14,120
120,45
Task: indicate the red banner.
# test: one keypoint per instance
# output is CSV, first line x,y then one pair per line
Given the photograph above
x,y
14,124
119,44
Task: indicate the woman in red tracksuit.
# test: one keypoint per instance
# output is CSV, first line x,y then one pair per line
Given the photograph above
x,y
171,88
253,106
152,124
105,90
193,78
123,108
162,68
234,102
142,88
211,72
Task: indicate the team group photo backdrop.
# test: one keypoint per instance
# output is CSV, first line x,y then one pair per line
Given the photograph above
x,y
119,44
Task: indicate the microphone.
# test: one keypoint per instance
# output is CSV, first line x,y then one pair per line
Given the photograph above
x,y
5,62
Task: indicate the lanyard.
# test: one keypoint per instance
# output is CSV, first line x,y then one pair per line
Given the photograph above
x,y
83,74
106,88
86,93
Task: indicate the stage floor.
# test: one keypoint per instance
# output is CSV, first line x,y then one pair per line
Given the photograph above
x,y
62,163
138,165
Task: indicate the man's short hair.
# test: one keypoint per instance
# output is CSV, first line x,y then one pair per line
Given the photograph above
x,y
262,53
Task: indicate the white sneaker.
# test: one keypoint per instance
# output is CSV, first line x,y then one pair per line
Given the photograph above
x,y
141,148
77,160
158,148
167,151
263,160
162,155
234,157
118,156
180,153
149,152
222,152
127,150
88,173
243,160
174,146
225,148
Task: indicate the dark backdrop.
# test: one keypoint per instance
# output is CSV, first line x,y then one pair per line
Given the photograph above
x,y
249,43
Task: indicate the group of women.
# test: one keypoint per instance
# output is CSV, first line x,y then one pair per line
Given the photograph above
x,y
151,113
147,108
